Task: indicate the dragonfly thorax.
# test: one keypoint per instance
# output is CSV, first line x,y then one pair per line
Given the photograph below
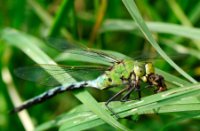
x,y
125,71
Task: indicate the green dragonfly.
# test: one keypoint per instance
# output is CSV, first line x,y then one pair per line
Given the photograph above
x,y
124,72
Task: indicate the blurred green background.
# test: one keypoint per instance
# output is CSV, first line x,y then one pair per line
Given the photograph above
x,y
101,24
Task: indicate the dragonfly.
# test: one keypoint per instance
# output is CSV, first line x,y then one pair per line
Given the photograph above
x,y
122,72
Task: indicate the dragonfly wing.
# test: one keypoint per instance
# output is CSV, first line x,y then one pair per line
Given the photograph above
x,y
76,55
154,56
39,73
61,44
95,54
69,47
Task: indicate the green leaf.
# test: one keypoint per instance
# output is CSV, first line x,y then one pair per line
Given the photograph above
x,y
61,14
159,27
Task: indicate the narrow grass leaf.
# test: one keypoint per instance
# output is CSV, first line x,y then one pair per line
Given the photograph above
x,y
66,5
180,119
159,27
180,48
81,126
42,14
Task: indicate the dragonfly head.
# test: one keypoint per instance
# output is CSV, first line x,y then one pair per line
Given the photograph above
x,y
158,81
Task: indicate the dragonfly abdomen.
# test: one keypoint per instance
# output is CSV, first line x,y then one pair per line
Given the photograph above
x,y
50,93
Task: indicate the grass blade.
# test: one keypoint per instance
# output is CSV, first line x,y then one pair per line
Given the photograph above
x,y
159,27
57,24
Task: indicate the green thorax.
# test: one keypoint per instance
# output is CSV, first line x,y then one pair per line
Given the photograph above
x,y
120,70
123,70
113,76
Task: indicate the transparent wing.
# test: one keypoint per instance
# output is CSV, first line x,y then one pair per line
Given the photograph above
x,y
67,47
81,50
39,73
96,54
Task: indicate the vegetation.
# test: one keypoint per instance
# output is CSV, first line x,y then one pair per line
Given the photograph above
x,y
168,30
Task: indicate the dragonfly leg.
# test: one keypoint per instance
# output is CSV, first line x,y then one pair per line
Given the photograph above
x,y
127,95
131,89
148,86
137,88
112,98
